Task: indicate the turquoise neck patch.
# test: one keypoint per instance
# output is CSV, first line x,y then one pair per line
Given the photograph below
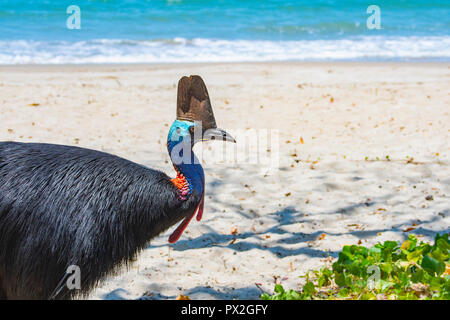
x,y
183,158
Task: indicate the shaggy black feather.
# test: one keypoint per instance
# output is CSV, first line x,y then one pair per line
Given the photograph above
x,y
63,205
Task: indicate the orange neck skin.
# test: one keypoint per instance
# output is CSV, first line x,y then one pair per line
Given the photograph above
x,y
182,185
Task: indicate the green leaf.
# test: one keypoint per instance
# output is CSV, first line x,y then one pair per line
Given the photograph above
x,y
432,265
444,237
309,288
265,296
436,283
414,256
390,245
292,295
375,250
386,267
279,288
417,275
443,244
343,293
339,278
439,255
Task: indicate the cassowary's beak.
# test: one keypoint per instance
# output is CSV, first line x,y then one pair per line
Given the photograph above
x,y
217,134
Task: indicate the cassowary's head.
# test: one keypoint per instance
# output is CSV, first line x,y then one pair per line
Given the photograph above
x,y
195,122
195,118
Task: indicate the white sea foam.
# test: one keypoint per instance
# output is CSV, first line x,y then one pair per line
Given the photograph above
x,y
214,50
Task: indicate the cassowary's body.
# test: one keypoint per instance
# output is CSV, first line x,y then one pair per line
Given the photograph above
x,y
62,206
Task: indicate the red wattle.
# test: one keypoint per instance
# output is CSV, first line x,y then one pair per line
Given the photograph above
x,y
200,208
180,229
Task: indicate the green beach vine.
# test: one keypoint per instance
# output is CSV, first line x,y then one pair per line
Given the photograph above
x,y
389,270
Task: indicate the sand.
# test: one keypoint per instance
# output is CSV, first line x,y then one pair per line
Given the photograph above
x,y
360,147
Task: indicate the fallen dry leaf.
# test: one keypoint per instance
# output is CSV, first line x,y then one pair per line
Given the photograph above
x,y
409,229
34,104
447,269
301,140
234,230
353,225
379,211
322,236
181,297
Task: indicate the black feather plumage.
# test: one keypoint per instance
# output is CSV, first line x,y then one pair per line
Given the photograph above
x,y
63,205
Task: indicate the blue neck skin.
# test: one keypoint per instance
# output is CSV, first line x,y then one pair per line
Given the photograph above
x,y
183,158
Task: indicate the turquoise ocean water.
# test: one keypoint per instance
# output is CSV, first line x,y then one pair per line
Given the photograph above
x,y
222,30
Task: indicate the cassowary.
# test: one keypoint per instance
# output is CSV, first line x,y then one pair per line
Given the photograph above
x,y
63,206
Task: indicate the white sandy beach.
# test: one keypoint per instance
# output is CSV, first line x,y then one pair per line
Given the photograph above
x,y
361,145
